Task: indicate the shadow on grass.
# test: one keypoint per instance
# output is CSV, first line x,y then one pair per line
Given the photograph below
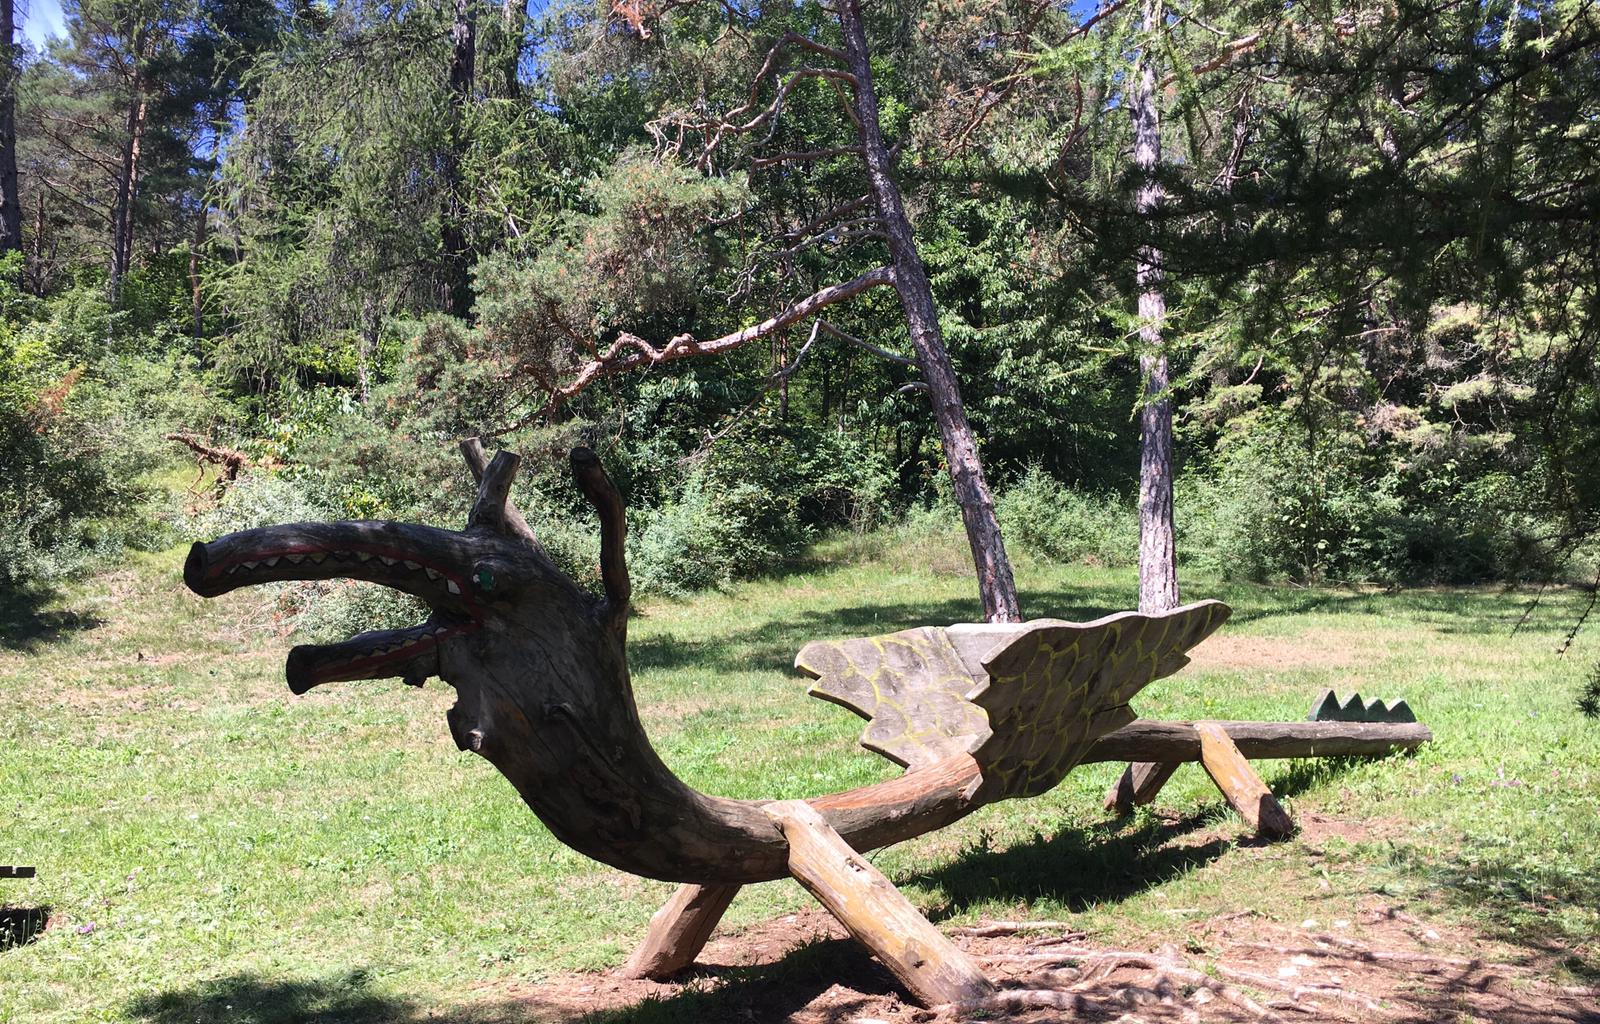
x,y
773,644
712,994
1078,868
1305,774
768,992
28,622
346,998
21,925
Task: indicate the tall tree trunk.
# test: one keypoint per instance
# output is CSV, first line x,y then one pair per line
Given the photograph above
x,y
10,201
995,583
196,292
127,189
1158,571
453,236
513,23
36,274
366,345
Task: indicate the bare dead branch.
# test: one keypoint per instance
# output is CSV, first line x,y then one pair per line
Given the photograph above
x,y
630,350
1229,51
882,353
815,223
229,460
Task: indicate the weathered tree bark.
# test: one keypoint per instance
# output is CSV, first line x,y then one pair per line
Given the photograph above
x,y
1158,572
10,201
543,687
1138,785
995,583
680,930
453,234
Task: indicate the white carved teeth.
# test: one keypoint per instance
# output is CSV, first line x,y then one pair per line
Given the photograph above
x,y
451,586
364,556
386,560
433,573
295,559
249,565
413,566
320,557
269,563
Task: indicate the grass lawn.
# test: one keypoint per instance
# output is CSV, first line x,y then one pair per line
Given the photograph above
x,y
211,848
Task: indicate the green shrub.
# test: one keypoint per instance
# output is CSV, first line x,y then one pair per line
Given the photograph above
x,y
71,491
260,499
754,502
1043,517
330,611
1353,508
713,533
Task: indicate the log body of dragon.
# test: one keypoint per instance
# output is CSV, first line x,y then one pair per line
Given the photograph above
x,y
543,691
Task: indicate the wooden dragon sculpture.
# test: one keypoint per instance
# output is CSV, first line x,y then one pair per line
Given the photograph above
x,y
543,693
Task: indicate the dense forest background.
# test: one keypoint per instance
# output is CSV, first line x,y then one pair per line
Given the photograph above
x,y
327,239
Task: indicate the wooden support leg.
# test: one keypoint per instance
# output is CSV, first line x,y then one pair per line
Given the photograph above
x,y
1139,785
929,965
679,931
1240,783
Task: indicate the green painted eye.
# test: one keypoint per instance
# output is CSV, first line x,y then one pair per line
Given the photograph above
x,y
484,579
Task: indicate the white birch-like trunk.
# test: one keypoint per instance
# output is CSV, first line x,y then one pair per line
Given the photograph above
x,y
1158,571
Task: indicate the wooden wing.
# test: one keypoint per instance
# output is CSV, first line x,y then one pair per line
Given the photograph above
x,y
911,685
1028,700
1056,687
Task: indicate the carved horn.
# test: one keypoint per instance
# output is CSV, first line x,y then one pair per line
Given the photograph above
x,y
512,522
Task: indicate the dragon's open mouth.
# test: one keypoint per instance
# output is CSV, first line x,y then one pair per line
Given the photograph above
x,y
440,567
410,653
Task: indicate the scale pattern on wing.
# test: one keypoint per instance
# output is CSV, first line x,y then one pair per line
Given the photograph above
x,y
1056,687
912,685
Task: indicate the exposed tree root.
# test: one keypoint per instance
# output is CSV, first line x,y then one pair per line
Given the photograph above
x,y
1355,951
1000,929
1169,974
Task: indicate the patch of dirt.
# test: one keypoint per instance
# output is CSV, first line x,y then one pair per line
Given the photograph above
x,y
1381,964
1312,649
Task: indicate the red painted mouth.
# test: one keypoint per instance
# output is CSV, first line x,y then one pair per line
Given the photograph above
x,y
375,655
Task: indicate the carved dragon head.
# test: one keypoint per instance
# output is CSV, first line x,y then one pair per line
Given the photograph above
x,y
487,586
